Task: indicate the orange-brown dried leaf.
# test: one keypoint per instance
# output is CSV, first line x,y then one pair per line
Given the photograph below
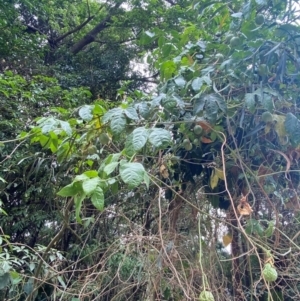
x,y
244,208
190,58
164,171
294,154
205,126
227,239
206,140
262,171
288,161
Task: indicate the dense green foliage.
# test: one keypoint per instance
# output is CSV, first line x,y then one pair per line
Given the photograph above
x,y
178,185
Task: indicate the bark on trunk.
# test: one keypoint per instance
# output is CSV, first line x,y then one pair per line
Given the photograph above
x,y
91,36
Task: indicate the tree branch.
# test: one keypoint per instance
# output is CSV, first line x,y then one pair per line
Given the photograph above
x,y
171,2
148,79
91,36
77,28
118,42
74,30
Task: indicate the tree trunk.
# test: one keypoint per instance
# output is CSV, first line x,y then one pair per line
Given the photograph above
x,y
91,36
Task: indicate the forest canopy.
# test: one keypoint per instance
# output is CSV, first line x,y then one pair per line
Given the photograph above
x,y
149,150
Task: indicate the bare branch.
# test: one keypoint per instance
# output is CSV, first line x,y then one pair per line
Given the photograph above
x,y
148,79
91,36
118,42
74,30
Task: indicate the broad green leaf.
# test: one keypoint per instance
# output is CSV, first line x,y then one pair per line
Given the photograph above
x,y
254,227
118,124
90,185
82,177
132,174
114,188
49,125
160,138
66,127
111,114
168,68
63,151
157,100
4,280
250,101
220,102
197,84
139,138
161,41
91,173
131,113
129,148
115,157
211,111
179,102
210,105
207,80
111,181
142,109
267,101
99,110
54,141
15,277
292,126
199,104
97,198
166,49
180,81
110,158
108,169
28,286
85,112
169,102
45,141
78,199
69,190
270,229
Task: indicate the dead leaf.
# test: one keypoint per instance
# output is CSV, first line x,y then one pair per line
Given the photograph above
x,y
164,171
220,173
214,179
206,140
244,208
280,128
288,162
190,58
244,198
268,128
294,154
227,239
205,126
263,171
